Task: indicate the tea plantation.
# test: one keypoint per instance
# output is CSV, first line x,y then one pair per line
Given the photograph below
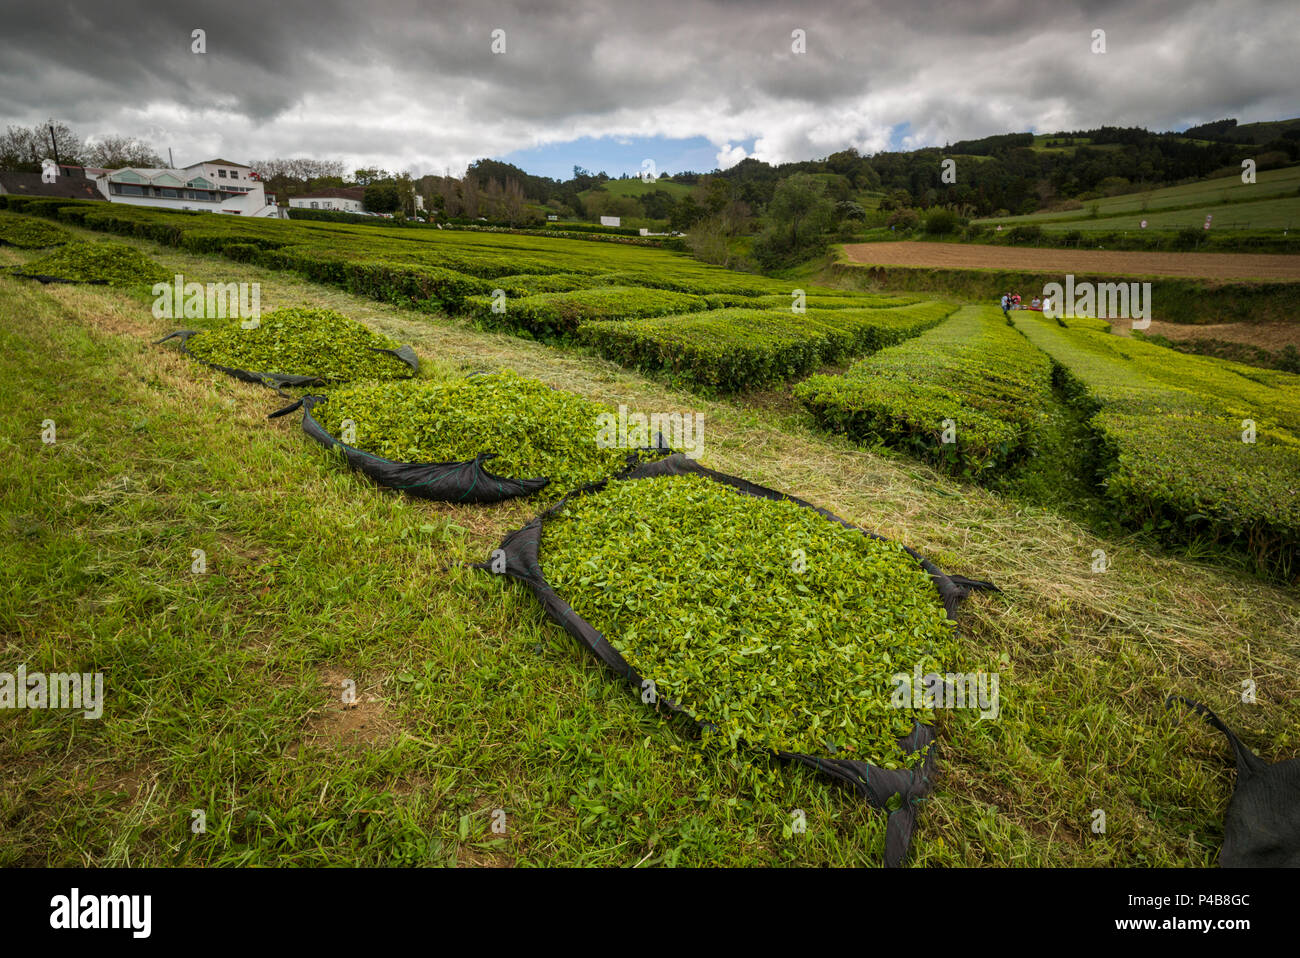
x,y
339,674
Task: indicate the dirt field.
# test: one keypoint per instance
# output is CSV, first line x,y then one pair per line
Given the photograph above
x,y
1267,335
1227,266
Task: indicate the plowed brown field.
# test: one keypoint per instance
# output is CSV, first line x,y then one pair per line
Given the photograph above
x,y
1226,266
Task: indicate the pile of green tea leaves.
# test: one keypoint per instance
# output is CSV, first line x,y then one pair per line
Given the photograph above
x,y
301,341
112,263
27,232
697,587
534,430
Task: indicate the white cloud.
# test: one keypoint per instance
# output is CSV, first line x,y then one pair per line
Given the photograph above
x,y
396,84
730,155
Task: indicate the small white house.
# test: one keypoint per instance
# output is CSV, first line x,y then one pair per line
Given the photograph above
x,y
346,200
611,221
217,186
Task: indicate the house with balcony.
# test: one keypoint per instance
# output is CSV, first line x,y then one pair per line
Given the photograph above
x,y
216,186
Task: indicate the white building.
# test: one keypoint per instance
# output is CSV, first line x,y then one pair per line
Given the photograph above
x,y
217,186
344,200
611,221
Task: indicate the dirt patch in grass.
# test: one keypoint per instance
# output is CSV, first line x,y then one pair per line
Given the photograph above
x,y
361,721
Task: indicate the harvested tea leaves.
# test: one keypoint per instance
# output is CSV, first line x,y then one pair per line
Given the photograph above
x,y
301,341
28,232
534,431
759,617
111,263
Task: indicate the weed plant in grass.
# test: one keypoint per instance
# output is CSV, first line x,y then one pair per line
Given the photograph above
x,y
297,341
533,430
760,617
110,263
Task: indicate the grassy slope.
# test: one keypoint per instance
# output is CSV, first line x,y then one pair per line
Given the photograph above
x,y
223,692
1200,197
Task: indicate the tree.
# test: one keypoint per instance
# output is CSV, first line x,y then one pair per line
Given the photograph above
x,y
115,152
382,198
23,149
800,206
685,214
513,201
469,196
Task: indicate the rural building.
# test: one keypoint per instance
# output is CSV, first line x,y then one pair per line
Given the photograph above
x,y
611,221
350,199
71,183
218,186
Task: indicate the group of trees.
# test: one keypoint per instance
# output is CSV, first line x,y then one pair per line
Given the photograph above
x,y
24,149
790,207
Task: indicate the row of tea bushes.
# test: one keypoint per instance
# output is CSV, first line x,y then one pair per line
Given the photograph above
x,y
732,349
560,314
967,395
1190,448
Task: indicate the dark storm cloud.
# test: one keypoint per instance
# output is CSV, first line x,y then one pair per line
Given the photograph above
x,y
415,85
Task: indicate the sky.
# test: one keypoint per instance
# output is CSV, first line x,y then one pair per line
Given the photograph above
x,y
423,87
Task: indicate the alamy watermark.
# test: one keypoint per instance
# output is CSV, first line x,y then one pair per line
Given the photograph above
x,y
53,690
181,300
1130,300
683,431
949,690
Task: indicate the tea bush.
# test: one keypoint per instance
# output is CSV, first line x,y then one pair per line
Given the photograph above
x,y
733,349
560,314
1172,455
972,370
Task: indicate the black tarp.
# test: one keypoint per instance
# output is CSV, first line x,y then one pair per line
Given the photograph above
x,y
875,785
1262,825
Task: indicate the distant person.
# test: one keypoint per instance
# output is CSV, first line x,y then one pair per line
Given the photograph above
x,y
1015,301
1006,303
1036,303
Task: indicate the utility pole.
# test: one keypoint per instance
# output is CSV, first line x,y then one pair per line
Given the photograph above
x,y
54,143
171,162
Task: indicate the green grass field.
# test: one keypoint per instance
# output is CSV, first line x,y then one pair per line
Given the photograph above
x,y
638,187
1272,201
224,690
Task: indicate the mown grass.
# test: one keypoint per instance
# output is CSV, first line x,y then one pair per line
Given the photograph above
x,y
223,690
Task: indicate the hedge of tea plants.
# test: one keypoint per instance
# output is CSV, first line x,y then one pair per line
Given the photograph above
x,y
973,380
301,341
701,589
1171,428
732,349
533,431
554,287
560,314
